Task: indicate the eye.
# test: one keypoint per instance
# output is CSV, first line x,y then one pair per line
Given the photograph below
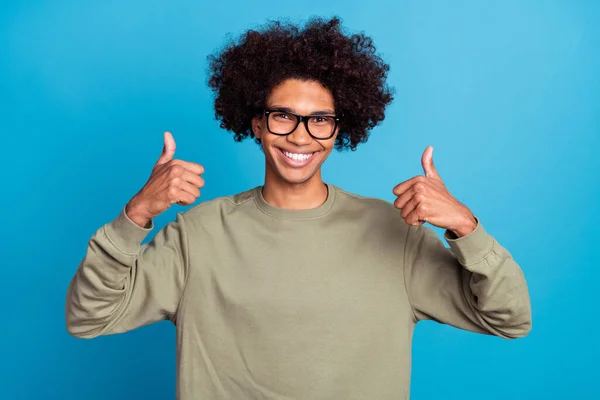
x,y
321,120
281,116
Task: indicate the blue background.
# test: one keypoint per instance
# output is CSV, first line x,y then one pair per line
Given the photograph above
x,y
508,93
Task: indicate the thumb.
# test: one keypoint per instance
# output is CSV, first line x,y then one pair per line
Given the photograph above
x,y
427,163
168,149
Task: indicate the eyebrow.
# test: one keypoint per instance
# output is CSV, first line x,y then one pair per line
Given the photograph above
x,y
315,113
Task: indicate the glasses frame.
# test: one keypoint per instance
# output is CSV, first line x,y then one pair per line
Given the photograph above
x,y
302,118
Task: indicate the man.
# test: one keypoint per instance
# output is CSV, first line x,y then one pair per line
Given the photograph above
x,y
296,289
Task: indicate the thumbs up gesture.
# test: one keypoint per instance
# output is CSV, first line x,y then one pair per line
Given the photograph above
x,y
171,181
426,199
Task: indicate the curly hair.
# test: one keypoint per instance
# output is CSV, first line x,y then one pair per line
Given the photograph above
x,y
243,73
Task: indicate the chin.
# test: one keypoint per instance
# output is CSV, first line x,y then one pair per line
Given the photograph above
x,y
295,180
297,176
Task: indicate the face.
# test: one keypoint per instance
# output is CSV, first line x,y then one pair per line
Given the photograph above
x,y
297,157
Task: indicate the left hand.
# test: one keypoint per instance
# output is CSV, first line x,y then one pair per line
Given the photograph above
x,y
425,199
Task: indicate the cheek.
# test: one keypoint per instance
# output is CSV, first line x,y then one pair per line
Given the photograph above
x,y
329,146
269,144
325,154
331,142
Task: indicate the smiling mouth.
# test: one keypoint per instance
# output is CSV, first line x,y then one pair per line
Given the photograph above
x,y
298,157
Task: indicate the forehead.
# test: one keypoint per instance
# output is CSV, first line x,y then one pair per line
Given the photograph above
x,y
301,96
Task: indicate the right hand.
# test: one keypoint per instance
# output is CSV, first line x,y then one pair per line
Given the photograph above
x,y
172,181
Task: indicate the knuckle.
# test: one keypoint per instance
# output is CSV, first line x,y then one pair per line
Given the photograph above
x,y
419,187
173,191
176,170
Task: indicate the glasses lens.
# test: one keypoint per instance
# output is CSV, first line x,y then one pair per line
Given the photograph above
x,y
281,122
321,127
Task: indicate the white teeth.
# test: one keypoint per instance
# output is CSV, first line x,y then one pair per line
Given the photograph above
x,y
298,157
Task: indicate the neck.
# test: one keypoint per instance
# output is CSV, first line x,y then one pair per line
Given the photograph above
x,y
295,196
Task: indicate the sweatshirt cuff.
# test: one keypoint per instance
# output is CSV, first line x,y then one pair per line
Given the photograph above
x,y
125,234
472,248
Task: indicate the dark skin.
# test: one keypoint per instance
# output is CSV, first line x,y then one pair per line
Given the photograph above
x,y
298,184
426,199
171,181
289,186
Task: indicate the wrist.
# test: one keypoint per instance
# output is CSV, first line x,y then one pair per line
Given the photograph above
x,y
136,213
467,225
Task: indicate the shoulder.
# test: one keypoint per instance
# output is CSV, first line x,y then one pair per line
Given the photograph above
x,y
371,210
217,207
355,201
378,217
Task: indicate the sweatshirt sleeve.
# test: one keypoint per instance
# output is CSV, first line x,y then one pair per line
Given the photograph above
x,y
473,285
121,284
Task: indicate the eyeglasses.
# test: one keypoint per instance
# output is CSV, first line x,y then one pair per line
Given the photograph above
x,y
282,123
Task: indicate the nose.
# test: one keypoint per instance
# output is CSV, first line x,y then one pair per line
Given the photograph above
x,y
299,137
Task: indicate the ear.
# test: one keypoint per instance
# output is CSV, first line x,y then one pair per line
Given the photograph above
x,y
257,127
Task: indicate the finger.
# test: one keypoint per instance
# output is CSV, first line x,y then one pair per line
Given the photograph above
x,y
195,180
416,217
427,163
180,193
410,205
404,186
186,199
190,166
168,149
401,201
418,188
188,188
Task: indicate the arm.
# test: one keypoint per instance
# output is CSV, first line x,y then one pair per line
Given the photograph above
x,y
475,285
121,284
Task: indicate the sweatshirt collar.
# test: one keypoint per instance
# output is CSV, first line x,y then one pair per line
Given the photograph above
x,y
311,213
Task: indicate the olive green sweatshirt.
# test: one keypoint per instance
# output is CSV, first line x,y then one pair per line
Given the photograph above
x,y
279,304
